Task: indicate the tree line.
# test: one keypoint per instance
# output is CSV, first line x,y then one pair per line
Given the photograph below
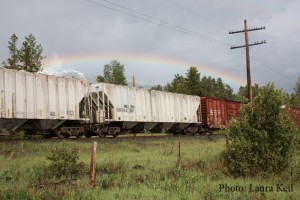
x,y
193,84
30,55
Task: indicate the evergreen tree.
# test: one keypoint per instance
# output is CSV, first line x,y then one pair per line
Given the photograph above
x,y
178,85
219,88
208,85
14,61
297,87
31,55
295,100
193,83
113,73
242,94
295,96
228,93
158,87
216,88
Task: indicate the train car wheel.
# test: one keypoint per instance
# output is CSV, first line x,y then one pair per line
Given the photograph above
x,y
101,133
88,134
48,134
115,134
184,132
61,135
209,132
79,136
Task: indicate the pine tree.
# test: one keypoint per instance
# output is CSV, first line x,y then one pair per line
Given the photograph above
x,y
31,54
178,85
193,82
14,61
157,87
113,73
295,96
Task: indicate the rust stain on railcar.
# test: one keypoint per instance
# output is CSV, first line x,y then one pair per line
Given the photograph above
x,y
2,104
217,113
233,110
57,113
46,99
13,106
76,112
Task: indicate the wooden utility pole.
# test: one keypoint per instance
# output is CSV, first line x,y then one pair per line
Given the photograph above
x,y
249,86
133,81
247,45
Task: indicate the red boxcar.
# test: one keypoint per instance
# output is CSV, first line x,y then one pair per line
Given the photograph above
x,y
216,113
295,112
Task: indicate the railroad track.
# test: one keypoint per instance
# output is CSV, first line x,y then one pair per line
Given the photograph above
x,y
128,137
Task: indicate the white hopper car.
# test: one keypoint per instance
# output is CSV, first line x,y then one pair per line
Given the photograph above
x,y
125,108
38,102
67,106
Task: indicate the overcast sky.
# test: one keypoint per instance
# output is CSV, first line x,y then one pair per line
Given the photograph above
x,y
157,39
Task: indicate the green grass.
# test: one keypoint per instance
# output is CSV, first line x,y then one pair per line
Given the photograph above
x,y
133,170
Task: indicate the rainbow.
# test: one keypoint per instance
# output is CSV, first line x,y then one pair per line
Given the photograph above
x,y
93,62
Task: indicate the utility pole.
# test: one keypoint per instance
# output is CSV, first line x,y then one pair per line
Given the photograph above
x,y
247,45
133,81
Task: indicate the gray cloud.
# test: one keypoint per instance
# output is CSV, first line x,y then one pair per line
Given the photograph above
x,y
66,28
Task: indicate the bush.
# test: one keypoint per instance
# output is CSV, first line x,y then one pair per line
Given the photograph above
x,y
64,163
262,139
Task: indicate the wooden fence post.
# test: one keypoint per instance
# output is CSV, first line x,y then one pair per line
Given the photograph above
x,y
178,160
93,165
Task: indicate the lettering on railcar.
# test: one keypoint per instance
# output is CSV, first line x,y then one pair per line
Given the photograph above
x,y
21,113
70,112
126,108
215,112
120,109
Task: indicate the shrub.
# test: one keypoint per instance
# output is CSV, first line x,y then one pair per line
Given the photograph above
x,y
64,163
262,139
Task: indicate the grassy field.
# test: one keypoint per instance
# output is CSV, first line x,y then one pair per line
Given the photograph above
x,y
137,169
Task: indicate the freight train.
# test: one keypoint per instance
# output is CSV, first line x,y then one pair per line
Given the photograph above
x,y
64,107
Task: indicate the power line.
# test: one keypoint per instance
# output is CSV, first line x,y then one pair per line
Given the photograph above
x,y
157,21
219,25
258,61
280,57
276,71
175,27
